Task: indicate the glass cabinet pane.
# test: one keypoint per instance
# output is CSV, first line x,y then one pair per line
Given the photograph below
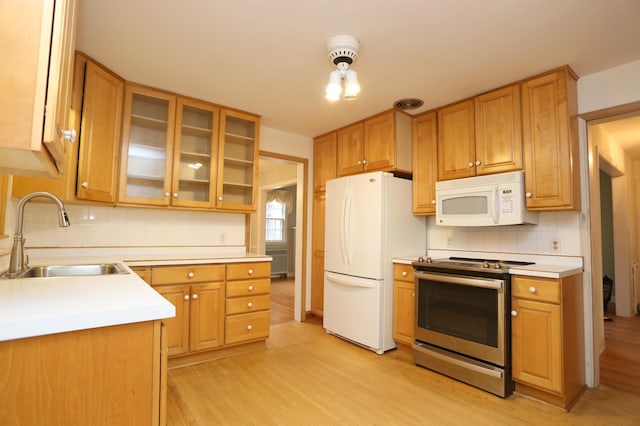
x,y
194,171
236,188
147,147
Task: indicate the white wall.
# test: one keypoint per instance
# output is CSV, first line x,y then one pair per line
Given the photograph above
x,y
611,87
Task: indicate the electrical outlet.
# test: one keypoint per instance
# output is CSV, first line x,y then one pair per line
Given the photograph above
x,y
450,239
555,244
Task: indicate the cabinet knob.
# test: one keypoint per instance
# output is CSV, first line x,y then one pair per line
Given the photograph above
x,y
532,290
514,313
470,164
364,161
85,184
250,288
359,163
186,297
433,201
69,135
194,297
249,327
166,194
219,198
175,195
478,162
250,305
528,195
404,273
191,275
250,271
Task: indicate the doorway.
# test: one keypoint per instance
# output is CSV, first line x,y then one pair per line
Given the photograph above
x,y
279,173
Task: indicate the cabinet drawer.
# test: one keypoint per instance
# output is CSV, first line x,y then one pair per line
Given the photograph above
x,y
243,327
185,274
242,305
143,272
402,272
242,271
248,287
540,289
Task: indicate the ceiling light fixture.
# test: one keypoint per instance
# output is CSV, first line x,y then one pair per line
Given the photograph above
x,y
343,51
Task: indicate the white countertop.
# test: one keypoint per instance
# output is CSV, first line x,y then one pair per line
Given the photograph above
x,y
38,306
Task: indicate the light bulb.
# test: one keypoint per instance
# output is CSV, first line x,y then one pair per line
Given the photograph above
x,y
351,87
334,88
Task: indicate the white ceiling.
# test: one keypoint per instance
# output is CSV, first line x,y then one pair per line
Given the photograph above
x,y
270,57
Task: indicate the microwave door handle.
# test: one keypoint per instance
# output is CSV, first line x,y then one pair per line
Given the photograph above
x,y
496,205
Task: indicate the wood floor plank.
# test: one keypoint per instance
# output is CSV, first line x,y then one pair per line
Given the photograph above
x,y
282,300
308,377
620,361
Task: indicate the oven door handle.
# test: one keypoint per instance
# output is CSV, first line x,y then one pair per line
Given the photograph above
x,y
457,279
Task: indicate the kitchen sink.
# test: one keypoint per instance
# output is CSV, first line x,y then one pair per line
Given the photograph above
x,y
73,270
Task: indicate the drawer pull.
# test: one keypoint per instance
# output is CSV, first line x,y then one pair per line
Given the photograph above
x,y
194,297
250,271
249,327
191,275
404,273
186,297
250,305
532,290
514,313
250,288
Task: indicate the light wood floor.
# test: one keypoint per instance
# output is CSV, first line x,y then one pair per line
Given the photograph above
x,y
306,377
282,300
620,361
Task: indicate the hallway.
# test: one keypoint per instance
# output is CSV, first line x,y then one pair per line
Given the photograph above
x,y
620,361
282,300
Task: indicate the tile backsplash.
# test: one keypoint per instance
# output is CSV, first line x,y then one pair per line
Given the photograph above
x,y
557,233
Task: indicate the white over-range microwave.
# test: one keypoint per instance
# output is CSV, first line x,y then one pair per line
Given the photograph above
x,y
490,200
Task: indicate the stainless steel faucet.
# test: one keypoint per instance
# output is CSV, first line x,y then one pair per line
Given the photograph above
x,y
18,264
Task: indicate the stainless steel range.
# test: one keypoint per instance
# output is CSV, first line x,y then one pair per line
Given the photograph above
x,y
463,321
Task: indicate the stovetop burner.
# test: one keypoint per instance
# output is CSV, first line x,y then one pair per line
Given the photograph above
x,y
467,263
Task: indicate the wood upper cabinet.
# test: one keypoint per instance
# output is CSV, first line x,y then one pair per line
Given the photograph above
x,y
403,303
547,338
551,156
238,161
91,164
147,146
324,160
498,131
37,42
456,141
425,160
381,142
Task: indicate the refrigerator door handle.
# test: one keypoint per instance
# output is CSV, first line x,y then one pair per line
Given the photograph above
x,y
349,283
348,245
343,228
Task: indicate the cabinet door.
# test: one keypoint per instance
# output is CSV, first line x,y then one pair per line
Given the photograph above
x,y
403,311
206,316
549,105
147,148
324,160
537,344
317,285
317,260
237,161
456,141
178,326
350,150
379,142
498,131
425,169
195,148
99,135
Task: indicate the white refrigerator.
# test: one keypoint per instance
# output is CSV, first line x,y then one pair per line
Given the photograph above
x,y
369,221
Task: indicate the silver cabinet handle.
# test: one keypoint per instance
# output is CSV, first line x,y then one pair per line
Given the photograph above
x,y
69,135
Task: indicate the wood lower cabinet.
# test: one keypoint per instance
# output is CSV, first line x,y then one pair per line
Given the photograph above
x,y
548,338
101,376
247,304
425,163
403,303
198,293
550,135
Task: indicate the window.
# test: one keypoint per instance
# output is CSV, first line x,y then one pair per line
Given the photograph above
x,y
275,224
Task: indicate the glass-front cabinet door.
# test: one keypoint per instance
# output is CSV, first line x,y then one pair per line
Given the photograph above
x,y
147,149
196,145
238,161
